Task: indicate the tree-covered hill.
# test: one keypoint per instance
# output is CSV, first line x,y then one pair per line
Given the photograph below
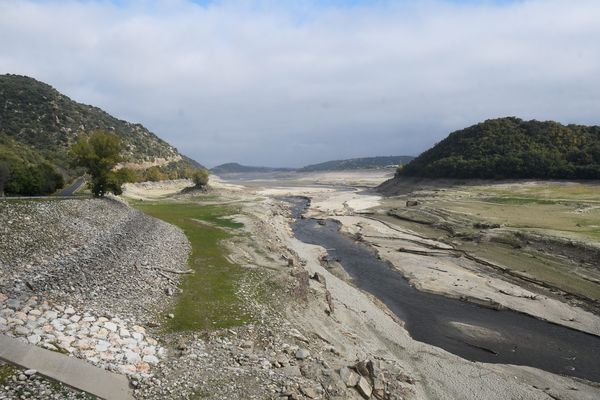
x,y
38,125
234,168
510,148
358,163
36,114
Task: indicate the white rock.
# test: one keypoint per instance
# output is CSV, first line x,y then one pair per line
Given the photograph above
x,y
124,333
150,359
34,339
102,346
69,310
75,318
132,357
111,326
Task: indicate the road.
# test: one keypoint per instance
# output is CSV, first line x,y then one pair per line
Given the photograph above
x,y
74,187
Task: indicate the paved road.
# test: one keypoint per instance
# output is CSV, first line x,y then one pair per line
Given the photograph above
x,y
71,371
75,186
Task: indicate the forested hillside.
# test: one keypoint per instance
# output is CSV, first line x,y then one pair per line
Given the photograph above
x,y
358,163
38,125
510,148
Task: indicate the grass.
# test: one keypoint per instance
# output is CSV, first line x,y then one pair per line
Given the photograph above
x,y
209,298
519,200
560,210
6,372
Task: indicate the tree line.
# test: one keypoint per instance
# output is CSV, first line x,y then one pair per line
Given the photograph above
x,y
510,148
24,172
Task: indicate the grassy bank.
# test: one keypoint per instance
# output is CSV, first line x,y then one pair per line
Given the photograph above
x,y
555,210
209,297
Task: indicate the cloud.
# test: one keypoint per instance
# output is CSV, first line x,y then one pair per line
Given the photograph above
x,y
290,83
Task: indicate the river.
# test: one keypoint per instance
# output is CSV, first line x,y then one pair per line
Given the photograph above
x,y
470,331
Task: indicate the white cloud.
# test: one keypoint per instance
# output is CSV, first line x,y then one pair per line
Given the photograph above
x,y
263,83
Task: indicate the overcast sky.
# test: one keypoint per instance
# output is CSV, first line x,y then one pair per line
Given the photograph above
x,y
289,83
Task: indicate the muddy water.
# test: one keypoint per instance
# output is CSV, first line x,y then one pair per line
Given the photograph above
x,y
470,331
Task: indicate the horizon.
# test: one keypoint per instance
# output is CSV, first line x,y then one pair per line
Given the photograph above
x,y
289,84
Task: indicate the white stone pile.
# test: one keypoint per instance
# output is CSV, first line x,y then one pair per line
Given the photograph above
x,y
111,343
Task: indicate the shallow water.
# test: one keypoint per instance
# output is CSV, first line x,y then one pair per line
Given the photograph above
x,y
506,337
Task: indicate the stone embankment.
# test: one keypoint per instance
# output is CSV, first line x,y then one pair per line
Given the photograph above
x,y
84,277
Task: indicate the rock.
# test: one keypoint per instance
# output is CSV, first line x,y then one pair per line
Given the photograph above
x,y
111,326
309,392
132,357
292,370
34,339
69,310
349,377
102,346
75,318
30,372
247,344
412,203
302,354
170,316
364,388
150,359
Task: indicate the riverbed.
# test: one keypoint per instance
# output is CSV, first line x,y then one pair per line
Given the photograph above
x,y
473,332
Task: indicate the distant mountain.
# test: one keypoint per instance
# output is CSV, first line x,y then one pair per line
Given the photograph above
x,y
233,168
510,148
358,163
42,123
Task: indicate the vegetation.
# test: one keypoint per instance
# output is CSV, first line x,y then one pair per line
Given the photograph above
x,y
358,163
200,177
209,298
99,153
510,148
40,125
36,114
232,168
24,171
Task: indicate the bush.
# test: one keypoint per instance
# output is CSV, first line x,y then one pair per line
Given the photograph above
x,y
200,177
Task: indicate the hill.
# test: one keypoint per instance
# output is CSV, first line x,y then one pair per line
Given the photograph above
x,y
510,148
233,168
358,163
40,124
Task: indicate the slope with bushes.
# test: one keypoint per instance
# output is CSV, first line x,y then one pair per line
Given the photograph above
x,y
510,148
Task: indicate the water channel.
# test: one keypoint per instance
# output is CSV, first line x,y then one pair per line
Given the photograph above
x,y
492,336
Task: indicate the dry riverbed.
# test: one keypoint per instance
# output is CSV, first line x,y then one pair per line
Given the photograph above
x,y
310,334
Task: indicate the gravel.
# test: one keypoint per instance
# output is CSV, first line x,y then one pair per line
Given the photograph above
x,y
98,254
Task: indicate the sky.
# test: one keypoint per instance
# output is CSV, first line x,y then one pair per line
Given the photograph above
x,y
291,83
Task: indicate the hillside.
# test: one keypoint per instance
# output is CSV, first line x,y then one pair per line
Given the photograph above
x,y
358,163
510,148
233,168
38,125
37,114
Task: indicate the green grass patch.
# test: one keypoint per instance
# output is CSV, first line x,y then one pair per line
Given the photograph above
x,y
209,299
6,372
519,200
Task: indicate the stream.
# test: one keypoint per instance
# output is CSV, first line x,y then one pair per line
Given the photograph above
x,y
470,331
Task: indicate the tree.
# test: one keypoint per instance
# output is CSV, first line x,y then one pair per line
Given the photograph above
x,y
98,153
4,174
200,177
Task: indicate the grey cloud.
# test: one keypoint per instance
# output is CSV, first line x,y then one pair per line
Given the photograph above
x,y
264,85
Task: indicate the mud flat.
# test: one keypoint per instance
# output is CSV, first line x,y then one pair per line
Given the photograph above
x,y
361,326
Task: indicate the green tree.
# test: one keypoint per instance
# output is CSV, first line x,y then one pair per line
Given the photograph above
x,y
154,174
99,153
200,177
4,175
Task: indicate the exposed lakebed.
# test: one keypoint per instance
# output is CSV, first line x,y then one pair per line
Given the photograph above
x,y
465,329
